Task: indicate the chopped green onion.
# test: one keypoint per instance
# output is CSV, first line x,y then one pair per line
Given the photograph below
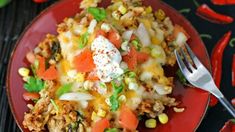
x,y
102,85
206,36
98,13
54,104
132,74
136,44
185,10
64,89
111,130
231,43
36,64
82,41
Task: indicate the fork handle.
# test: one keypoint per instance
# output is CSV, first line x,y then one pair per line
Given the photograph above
x,y
227,105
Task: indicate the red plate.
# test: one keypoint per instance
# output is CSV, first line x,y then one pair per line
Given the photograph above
x,y
195,101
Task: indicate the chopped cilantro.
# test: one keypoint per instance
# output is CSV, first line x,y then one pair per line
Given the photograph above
x,y
34,84
136,44
117,89
132,74
82,41
98,13
102,85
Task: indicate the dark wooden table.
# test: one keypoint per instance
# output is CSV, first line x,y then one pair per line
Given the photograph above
x,y
18,14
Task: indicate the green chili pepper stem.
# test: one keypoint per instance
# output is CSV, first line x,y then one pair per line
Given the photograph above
x,y
206,36
232,41
185,10
196,3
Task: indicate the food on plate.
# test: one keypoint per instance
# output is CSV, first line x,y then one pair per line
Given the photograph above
x,y
103,71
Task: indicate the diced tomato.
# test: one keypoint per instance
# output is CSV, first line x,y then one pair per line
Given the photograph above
x,y
50,74
30,96
30,57
133,37
84,61
178,29
142,57
128,119
131,58
42,66
100,125
115,38
101,32
92,77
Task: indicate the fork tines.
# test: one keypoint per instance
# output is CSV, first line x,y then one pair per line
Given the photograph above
x,y
187,60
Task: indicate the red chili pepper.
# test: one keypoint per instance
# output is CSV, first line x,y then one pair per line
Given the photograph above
x,y
233,71
223,2
40,1
207,13
216,62
233,101
228,127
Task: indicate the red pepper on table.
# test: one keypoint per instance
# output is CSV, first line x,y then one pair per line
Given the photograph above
x,y
207,13
216,62
229,126
223,2
40,1
233,71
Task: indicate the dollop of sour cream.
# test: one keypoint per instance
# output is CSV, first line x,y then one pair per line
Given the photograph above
x,y
107,59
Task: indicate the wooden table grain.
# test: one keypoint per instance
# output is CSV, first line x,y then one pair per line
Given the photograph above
x,y
18,14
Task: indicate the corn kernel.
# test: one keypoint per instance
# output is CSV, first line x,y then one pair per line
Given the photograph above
x,y
65,66
24,72
116,15
122,9
101,113
80,77
151,123
155,53
155,41
163,118
160,14
149,9
88,85
129,80
122,98
94,116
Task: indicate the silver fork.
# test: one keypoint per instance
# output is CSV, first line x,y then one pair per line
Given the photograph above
x,y
199,76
